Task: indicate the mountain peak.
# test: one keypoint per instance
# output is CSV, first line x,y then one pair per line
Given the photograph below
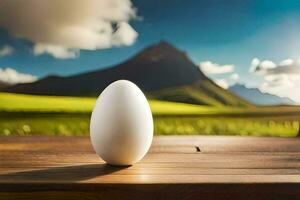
x,y
258,97
163,50
165,44
238,85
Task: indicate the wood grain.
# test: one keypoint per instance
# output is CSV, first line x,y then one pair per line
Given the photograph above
x,y
178,167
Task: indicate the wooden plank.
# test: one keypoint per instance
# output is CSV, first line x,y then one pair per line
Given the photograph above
x,y
102,178
182,167
163,143
154,191
12,173
179,160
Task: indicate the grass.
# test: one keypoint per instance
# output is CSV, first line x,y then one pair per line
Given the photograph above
x,y
225,126
45,124
48,115
35,103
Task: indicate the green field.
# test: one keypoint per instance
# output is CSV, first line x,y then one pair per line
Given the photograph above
x,y
31,114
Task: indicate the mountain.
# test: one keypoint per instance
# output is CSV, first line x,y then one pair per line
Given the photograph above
x,y
158,70
4,84
255,96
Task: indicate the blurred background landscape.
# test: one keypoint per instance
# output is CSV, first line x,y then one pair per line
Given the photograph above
x,y
206,67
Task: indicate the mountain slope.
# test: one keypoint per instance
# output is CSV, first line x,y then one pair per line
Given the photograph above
x,y
203,92
255,96
4,84
160,67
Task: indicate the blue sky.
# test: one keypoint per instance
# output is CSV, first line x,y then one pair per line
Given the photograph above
x,y
227,32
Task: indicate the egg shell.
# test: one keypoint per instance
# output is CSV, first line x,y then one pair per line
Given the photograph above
x,y
121,127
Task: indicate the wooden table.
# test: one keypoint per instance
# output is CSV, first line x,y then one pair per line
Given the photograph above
x,y
177,167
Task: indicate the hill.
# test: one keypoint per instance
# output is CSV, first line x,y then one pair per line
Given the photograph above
x,y
158,69
203,92
255,96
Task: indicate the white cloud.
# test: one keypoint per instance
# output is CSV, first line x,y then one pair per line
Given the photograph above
x,y
124,35
266,67
11,76
286,62
209,67
234,77
6,50
283,88
222,83
260,67
55,51
267,64
281,79
222,75
62,28
254,64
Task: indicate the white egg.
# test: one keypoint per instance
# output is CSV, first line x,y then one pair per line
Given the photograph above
x,y
121,124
